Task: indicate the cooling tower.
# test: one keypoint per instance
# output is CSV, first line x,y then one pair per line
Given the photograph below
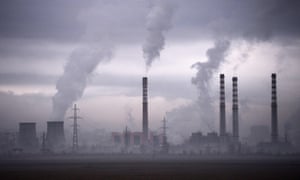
x,y
274,122
222,106
235,115
27,136
145,109
55,135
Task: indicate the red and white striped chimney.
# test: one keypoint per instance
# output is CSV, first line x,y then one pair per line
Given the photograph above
x,y
222,106
274,121
145,109
235,106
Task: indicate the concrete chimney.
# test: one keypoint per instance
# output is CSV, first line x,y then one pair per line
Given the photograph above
x,y
274,123
222,106
145,109
235,114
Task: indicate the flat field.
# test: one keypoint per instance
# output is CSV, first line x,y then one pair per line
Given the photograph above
x,y
149,167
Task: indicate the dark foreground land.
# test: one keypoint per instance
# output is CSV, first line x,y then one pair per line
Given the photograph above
x,y
149,167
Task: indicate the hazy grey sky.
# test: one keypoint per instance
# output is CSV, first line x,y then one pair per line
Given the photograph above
x,y
37,38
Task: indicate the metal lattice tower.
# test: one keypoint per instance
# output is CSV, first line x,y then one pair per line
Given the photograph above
x,y
75,117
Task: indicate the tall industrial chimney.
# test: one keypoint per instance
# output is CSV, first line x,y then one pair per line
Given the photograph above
x,y
145,109
235,115
274,133
222,106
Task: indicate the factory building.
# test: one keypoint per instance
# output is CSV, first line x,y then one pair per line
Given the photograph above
x,y
211,143
222,143
145,141
7,142
128,138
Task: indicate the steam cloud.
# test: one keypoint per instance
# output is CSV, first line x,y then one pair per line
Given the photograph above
x,y
130,121
158,22
71,84
216,55
202,111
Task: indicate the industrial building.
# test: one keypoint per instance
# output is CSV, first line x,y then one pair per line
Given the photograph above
x,y
212,143
27,138
146,141
8,142
55,138
275,145
132,142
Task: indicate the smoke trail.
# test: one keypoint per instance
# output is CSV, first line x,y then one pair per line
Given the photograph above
x,y
158,22
71,84
198,115
216,55
130,121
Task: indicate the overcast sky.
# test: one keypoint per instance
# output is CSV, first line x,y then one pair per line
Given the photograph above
x,y
37,38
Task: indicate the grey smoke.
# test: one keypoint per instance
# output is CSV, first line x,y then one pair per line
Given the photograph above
x,y
70,86
205,71
158,23
199,115
130,121
181,122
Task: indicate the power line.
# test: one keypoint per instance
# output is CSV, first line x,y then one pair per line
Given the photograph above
x,y
75,117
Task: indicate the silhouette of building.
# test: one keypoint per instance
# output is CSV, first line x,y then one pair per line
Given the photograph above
x,y
27,138
55,138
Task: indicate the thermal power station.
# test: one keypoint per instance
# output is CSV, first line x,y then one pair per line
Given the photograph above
x,y
274,123
145,109
235,112
146,141
222,106
55,137
27,136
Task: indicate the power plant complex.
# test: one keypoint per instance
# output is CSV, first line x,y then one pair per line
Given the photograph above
x,y
147,141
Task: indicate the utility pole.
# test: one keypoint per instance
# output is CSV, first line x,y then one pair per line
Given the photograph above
x,y
165,145
75,117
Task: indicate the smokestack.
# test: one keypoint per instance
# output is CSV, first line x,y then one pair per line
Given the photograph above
x,y
274,123
235,117
55,135
145,109
222,106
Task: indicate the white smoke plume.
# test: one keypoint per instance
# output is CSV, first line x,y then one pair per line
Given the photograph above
x,y
71,84
130,121
205,71
158,22
199,115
